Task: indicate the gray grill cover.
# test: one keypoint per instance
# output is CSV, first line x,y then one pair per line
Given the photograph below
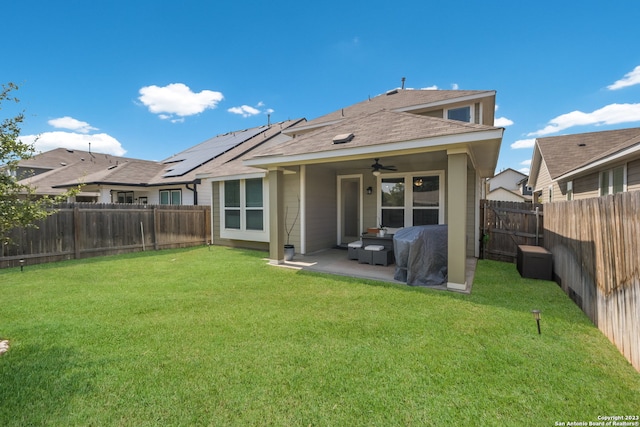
x,y
421,255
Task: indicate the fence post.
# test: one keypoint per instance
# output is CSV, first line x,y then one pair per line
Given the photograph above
x,y
537,225
155,228
76,231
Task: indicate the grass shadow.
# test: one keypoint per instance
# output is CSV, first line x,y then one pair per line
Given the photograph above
x,y
38,384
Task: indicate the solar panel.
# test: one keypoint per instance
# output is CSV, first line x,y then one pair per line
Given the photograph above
x,y
200,154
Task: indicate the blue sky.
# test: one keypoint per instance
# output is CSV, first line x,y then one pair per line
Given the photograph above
x,y
147,79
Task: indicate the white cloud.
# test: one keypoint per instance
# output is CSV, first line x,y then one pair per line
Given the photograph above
x,y
455,86
434,87
248,111
607,115
523,143
70,123
630,79
244,111
524,171
178,99
100,142
526,162
502,122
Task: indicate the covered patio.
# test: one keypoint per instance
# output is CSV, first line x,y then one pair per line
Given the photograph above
x,y
335,261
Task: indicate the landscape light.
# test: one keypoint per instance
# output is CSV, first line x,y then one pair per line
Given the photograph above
x,y
21,265
536,315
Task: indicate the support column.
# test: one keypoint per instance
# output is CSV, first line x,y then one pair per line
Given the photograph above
x,y
457,219
276,216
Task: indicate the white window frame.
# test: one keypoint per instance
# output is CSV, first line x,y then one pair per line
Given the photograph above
x,y
242,233
408,195
569,190
472,112
610,174
170,191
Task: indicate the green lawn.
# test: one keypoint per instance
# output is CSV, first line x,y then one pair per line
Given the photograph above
x,y
217,337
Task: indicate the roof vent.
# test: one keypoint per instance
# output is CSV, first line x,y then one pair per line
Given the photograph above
x,y
343,138
392,92
582,144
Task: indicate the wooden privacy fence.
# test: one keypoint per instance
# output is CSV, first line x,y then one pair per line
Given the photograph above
x,y
505,225
81,230
596,261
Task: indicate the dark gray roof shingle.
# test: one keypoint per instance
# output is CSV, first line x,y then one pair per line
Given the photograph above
x,y
566,153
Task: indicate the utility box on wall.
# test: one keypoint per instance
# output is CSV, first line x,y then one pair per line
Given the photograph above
x,y
534,262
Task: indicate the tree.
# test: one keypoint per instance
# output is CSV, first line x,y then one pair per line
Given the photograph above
x,y
19,205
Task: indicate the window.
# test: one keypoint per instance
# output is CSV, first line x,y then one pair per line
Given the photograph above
x,y
170,197
570,190
125,196
551,193
613,181
462,114
410,200
243,212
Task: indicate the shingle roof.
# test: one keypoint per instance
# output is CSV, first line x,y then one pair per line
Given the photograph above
x,y
229,163
398,99
563,154
370,129
131,172
69,167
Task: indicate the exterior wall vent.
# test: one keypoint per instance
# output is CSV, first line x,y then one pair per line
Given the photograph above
x,y
343,138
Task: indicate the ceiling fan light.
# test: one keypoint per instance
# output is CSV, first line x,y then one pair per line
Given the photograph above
x,y
376,173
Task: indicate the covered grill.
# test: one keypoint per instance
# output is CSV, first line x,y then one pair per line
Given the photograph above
x,y
421,255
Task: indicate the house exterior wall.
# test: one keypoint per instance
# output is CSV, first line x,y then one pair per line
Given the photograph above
x,y
320,208
542,183
584,187
588,186
369,202
505,195
508,179
215,222
472,212
293,202
633,175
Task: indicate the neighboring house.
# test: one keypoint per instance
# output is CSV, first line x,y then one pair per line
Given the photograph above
x,y
173,181
442,145
585,165
44,171
508,185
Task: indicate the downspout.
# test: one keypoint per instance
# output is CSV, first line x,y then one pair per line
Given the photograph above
x,y
195,190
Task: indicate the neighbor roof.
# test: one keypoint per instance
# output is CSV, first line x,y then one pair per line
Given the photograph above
x,y
191,158
563,154
66,166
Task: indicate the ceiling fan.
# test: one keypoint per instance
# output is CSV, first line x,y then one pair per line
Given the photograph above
x,y
377,167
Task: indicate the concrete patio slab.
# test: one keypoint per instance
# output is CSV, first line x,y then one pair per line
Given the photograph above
x,y
335,261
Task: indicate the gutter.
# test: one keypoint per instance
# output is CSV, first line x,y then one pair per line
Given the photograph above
x,y
195,190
